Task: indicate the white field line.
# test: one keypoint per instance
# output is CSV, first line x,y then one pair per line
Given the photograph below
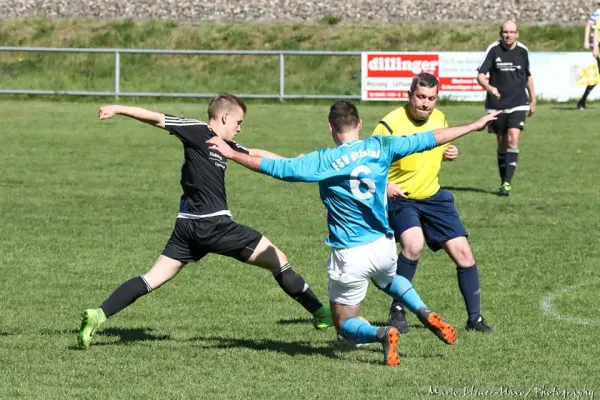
x,y
548,307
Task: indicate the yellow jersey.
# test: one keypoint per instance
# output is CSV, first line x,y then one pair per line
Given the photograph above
x,y
417,174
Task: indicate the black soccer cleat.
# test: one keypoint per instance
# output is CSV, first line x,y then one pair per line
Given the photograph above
x,y
398,318
479,326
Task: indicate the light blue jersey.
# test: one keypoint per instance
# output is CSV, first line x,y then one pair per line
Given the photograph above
x,y
352,183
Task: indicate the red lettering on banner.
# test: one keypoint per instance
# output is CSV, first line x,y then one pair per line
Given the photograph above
x,y
387,94
401,65
460,85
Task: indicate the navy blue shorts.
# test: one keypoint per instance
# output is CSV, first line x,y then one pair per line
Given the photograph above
x,y
437,216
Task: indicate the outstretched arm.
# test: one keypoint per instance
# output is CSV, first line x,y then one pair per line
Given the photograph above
x,y
308,168
263,153
141,114
402,146
247,160
446,135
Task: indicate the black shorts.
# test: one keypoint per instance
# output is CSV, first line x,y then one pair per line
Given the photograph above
x,y
506,121
192,239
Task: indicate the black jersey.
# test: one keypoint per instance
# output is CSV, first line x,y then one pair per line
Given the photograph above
x,y
509,71
203,170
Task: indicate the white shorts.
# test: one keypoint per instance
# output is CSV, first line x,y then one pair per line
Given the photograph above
x,y
351,269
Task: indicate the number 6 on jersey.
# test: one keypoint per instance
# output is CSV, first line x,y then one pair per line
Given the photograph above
x,y
356,181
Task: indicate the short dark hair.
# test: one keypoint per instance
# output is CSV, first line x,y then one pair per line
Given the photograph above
x,y
224,102
424,79
343,116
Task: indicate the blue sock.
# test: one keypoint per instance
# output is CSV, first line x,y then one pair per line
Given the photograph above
x,y
401,289
405,267
359,331
468,282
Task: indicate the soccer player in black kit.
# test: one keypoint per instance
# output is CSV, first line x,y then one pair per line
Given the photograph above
x,y
510,81
204,224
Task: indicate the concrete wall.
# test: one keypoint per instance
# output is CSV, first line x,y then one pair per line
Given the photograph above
x,y
369,11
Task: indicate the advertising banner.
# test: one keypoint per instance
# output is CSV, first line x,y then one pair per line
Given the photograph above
x,y
387,75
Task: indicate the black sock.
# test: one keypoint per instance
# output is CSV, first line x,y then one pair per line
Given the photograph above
x,y
125,295
406,268
468,282
502,165
587,92
512,156
295,287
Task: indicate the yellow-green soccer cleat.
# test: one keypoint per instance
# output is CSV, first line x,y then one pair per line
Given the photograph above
x,y
322,318
91,320
504,189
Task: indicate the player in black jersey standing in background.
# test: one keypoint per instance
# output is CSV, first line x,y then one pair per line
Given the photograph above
x,y
204,224
510,89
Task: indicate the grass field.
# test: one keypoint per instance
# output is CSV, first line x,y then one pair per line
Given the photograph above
x,y
87,205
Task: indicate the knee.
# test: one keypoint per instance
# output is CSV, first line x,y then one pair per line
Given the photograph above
x,y
464,257
513,140
163,270
281,258
155,281
413,250
267,255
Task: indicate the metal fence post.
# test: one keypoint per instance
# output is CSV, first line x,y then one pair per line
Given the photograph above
x,y
117,74
281,77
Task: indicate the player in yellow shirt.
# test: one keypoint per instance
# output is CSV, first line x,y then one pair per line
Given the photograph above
x,y
419,211
590,39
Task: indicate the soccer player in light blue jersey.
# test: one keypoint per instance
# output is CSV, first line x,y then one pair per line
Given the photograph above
x,y
352,181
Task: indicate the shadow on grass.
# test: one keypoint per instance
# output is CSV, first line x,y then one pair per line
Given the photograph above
x,y
128,335
468,189
565,108
332,351
295,321
289,348
385,323
134,334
